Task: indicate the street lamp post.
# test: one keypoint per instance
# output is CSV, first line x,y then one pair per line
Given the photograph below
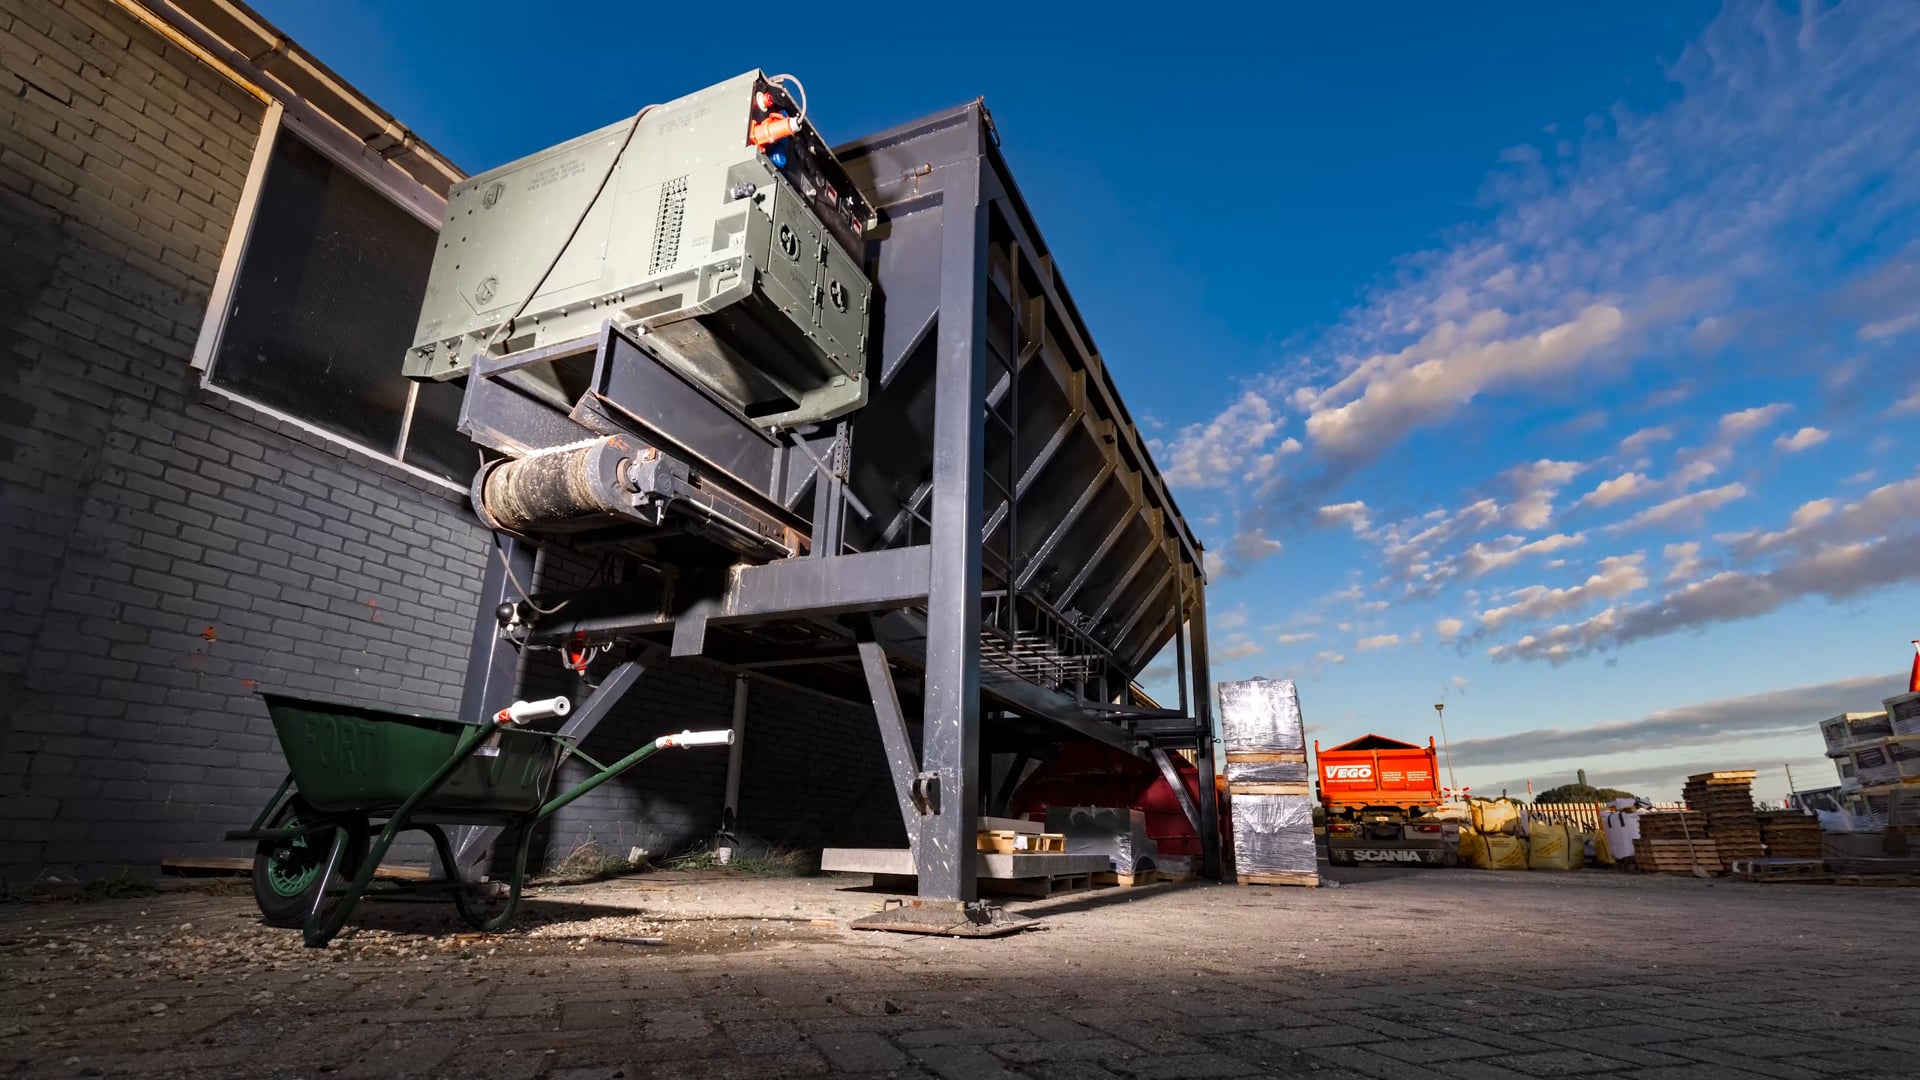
x,y
1440,710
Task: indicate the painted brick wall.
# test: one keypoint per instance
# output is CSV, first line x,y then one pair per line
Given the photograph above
x,y
167,551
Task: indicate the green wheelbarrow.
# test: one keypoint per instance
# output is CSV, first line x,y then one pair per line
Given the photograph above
x,y
316,849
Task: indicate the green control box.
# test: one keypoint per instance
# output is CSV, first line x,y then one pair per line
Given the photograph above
x,y
737,255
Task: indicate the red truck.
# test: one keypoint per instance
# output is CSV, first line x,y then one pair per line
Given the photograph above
x,y
1379,795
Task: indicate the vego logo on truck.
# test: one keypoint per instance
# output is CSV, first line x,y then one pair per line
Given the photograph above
x,y
1349,772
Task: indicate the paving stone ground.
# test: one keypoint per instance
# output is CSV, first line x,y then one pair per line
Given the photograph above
x,y
1397,973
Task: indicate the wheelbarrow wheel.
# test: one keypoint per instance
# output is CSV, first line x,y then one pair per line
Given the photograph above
x,y
286,872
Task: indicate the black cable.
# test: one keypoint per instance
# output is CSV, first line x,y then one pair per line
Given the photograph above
x,y
605,179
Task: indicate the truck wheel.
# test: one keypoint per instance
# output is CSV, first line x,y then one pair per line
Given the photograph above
x,y
285,872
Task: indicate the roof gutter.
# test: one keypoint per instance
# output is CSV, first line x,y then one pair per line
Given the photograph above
x,y
233,39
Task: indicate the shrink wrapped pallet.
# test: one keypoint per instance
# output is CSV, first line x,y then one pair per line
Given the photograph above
x,y
1261,715
1266,772
1273,835
1903,714
1119,833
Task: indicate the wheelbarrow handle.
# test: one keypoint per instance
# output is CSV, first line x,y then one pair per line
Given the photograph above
x,y
722,737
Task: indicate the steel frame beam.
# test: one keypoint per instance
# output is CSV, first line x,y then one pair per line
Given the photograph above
x,y
493,664
1172,775
1203,715
950,727
475,841
902,763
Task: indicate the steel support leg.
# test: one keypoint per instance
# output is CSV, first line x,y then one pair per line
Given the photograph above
x,y
1016,775
736,758
1203,715
1172,775
493,665
476,840
945,858
902,763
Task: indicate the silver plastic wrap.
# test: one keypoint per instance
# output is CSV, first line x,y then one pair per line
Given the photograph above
x,y
1266,772
1116,832
1873,763
1273,834
1261,714
1903,712
1862,727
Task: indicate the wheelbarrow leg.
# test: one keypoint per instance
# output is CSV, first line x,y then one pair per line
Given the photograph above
x,y
471,908
318,935
324,920
519,879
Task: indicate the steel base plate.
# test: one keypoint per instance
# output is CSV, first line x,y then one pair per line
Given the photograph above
x,y
945,919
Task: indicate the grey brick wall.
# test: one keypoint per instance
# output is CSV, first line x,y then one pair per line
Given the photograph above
x,y
167,551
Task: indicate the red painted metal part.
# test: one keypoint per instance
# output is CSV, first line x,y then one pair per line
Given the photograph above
x,y
1377,771
1086,774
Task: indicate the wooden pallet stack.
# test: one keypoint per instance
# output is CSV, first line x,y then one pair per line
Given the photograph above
x,y
1269,794
1790,834
1014,836
1675,841
1726,798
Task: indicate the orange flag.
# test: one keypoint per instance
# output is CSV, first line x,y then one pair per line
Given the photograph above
x,y
1913,680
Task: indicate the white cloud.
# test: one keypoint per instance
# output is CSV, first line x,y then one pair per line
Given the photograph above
x,y
1602,259
1683,561
1241,651
1693,472
1638,442
1232,619
1692,505
1219,451
1252,545
1378,641
1888,328
1800,440
1748,421
1617,576
1828,550
1884,510
1534,487
1328,659
1214,563
1624,486
1485,558
1390,392
1353,514
1810,512
1460,682
1772,712
1290,446
1295,639
1908,404
1449,628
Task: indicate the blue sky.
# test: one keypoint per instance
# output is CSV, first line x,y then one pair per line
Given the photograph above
x,y
1557,364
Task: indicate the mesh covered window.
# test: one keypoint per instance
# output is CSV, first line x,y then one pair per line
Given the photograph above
x,y
324,307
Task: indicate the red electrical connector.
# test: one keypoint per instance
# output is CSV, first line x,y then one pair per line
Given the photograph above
x,y
773,129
